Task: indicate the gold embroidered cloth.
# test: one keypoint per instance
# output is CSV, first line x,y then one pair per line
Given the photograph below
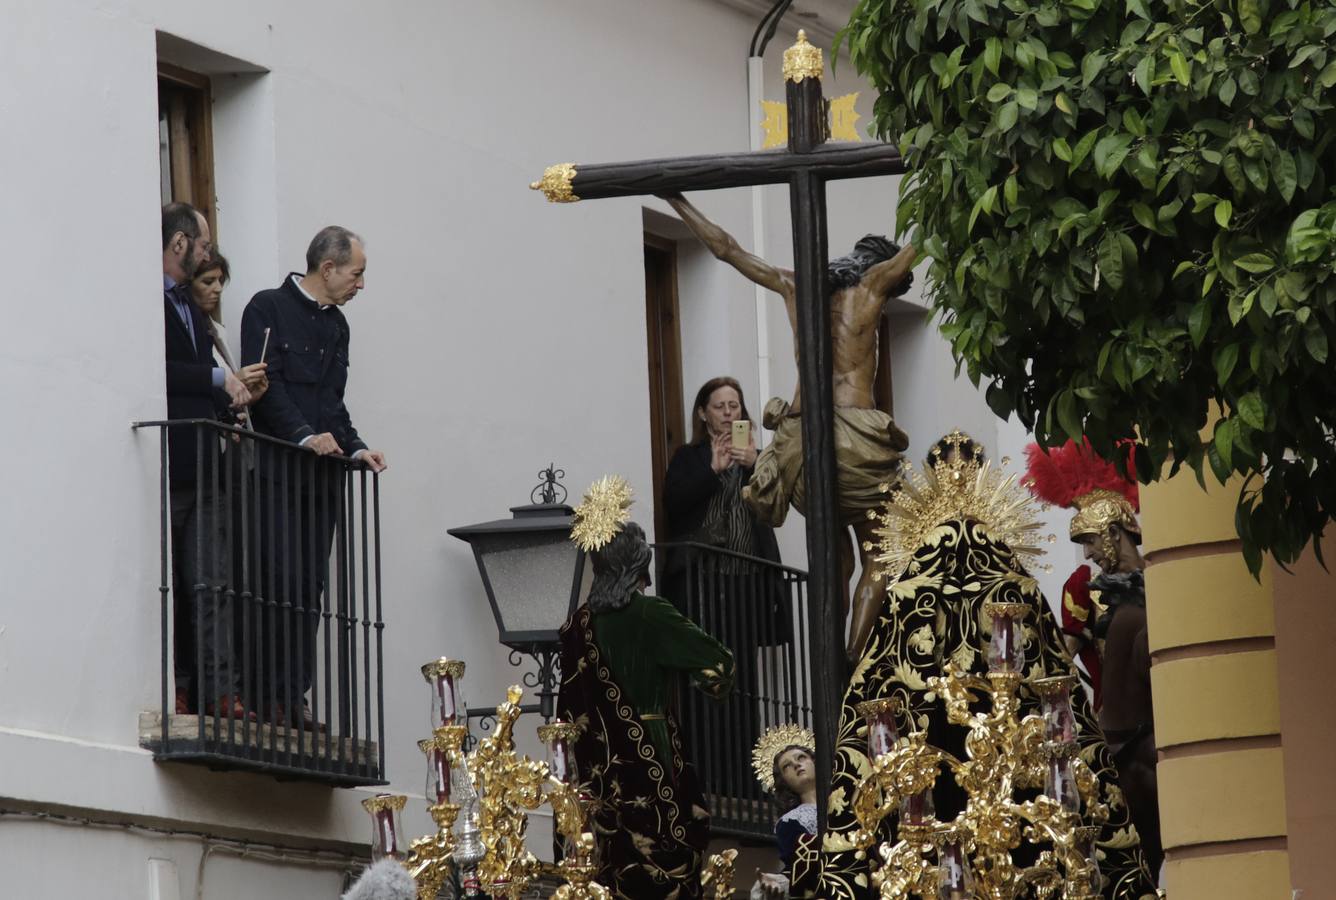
x,y
933,615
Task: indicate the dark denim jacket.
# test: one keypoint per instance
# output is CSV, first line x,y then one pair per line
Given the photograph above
x,y
308,366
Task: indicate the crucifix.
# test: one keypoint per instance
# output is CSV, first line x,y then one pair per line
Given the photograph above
x,y
806,165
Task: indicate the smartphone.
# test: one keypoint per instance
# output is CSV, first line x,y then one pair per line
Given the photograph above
x,y
741,434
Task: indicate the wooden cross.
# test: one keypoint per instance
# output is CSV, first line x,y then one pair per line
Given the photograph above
x,y
807,164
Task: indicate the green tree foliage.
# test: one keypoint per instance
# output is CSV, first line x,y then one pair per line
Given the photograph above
x,y
1130,210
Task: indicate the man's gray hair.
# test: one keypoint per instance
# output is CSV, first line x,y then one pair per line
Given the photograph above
x,y
333,242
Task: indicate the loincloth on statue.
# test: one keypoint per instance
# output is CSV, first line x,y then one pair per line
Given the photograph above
x,y
869,447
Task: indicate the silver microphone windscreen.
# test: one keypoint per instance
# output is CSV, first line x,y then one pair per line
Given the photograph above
x,y
386,880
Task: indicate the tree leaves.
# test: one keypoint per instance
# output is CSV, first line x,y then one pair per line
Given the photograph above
x,y
1130,213
1110,152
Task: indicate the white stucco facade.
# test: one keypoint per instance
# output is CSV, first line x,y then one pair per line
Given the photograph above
x,y
497,333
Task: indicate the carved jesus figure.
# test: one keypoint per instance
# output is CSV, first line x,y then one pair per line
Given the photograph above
x,y
868,443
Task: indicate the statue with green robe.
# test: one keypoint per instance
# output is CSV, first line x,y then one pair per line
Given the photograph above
x,y
622,653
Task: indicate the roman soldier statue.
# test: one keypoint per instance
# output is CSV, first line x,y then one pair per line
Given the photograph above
x,y
1109,618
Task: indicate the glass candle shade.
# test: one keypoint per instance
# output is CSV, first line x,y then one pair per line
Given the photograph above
x,y
1055,699
1005,654
445,677
1085,845
438,771
917,809
879,716
1060,784
560,738
386,829
954,879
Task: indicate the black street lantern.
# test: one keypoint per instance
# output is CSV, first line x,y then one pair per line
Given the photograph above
x,y
534,576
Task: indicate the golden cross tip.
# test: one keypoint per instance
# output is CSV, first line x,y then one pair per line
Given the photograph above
x,y
556,183
802,60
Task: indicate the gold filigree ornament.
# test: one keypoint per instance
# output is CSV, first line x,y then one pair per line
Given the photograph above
x,y
802,60
606,507
774,742
556,183
956,485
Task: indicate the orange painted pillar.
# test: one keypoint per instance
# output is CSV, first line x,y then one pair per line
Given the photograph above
x,y
1214,677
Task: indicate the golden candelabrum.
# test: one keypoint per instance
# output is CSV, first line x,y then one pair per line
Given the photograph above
x,y
717,876
1006,755
481,800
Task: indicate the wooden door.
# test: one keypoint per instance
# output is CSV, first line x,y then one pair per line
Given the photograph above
x,y
665,364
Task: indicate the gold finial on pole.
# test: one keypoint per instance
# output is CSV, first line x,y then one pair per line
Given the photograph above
x,y
556,183
802,60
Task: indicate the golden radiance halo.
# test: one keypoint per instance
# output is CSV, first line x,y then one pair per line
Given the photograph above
x,y
606,507
772,743
954,487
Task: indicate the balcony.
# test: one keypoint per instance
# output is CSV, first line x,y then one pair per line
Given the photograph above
x,y
758,609
275,601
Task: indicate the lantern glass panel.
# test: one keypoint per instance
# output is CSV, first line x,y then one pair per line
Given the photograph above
x,y
531,576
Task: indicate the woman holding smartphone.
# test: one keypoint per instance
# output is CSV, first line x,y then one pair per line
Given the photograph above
x,y
724,575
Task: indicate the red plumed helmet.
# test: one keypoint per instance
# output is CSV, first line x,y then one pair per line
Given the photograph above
x,y
1064,475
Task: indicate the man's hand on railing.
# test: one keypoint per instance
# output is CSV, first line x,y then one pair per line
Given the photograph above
x,y
236,389
374,459
323,444
255,379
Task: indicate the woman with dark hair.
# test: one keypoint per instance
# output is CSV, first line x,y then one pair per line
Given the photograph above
x,y
727,587
206,290
702,491
622,653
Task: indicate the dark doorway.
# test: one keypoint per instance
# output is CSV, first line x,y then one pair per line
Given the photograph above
x,y
665,363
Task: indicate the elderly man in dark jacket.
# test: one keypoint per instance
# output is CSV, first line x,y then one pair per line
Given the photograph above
x,y
303,335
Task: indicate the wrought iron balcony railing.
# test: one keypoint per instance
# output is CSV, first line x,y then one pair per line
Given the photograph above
x,y
271,608
758,609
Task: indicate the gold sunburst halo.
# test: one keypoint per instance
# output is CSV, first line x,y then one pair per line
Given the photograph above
x,y
772,743
953,487
606,507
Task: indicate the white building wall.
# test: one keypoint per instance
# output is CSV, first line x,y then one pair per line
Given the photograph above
x,y
497,333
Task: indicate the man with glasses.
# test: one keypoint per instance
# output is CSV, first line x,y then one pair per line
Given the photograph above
x,y
196,389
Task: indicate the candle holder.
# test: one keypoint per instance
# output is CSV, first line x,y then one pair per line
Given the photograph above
x,y
386,827
1055,703
717,876
971,856
480,803
446,676
955,880
1005,650
431,858
879,719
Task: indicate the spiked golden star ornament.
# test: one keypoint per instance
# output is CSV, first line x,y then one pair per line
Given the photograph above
x,y
956,484
772,743
606,507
